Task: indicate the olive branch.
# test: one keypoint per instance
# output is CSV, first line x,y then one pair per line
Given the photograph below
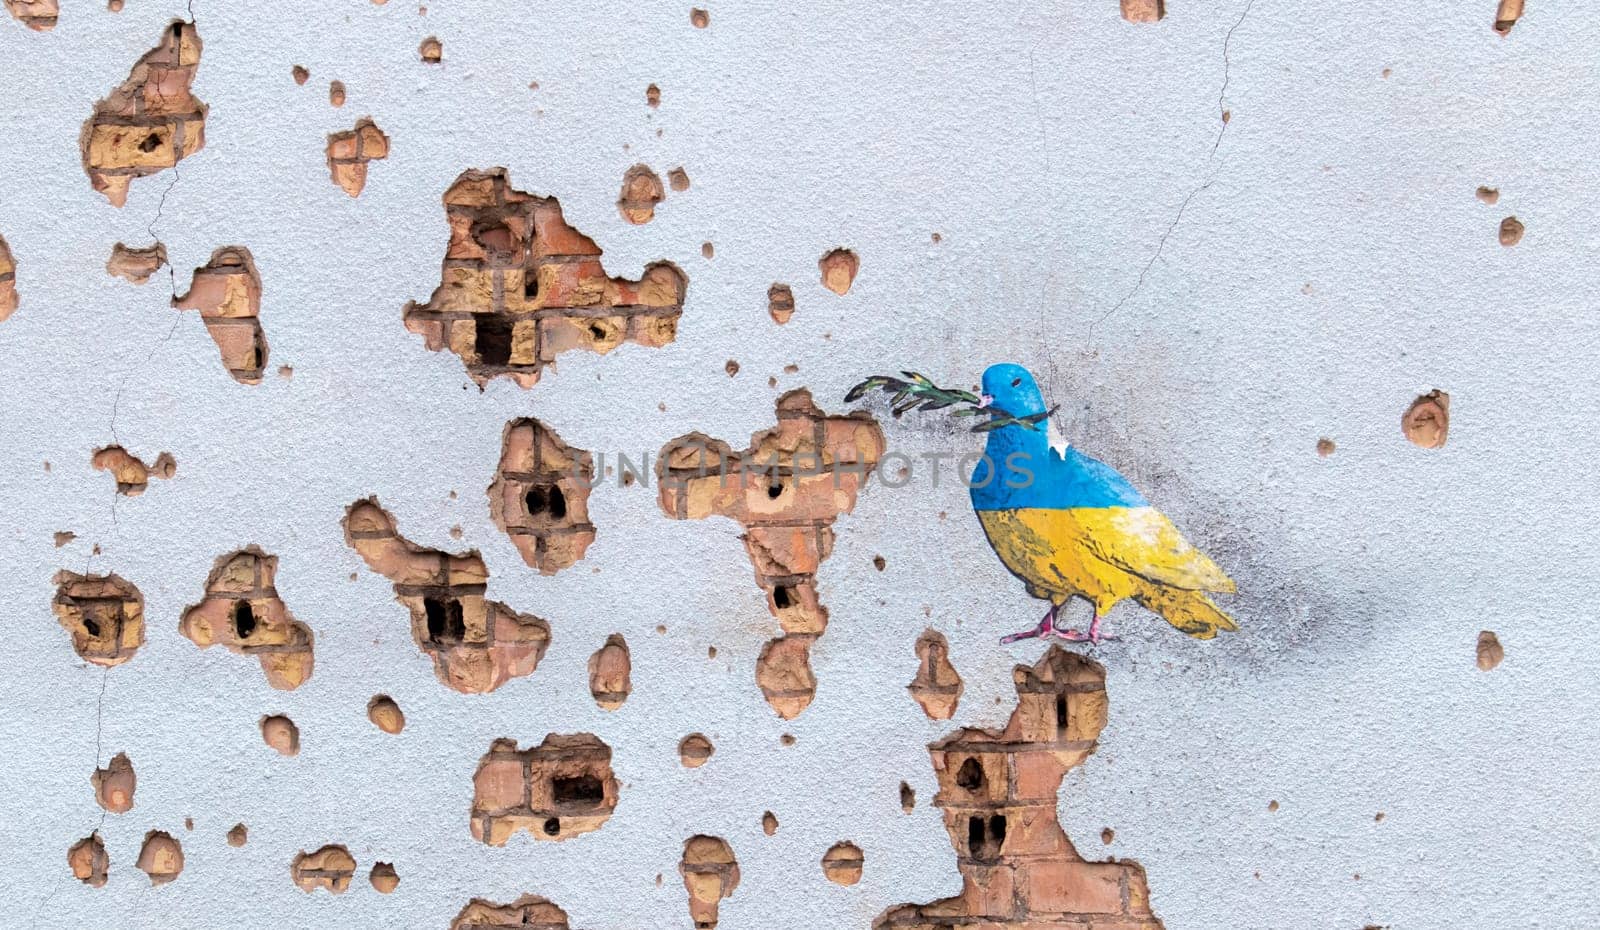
x,y
916,392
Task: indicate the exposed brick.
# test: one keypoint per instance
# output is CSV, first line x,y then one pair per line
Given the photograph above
x,y
227,292
131,473
1143,11
88,860
842,863
937,687
476,645
115,784
8,281
242,612
161,857
559,789
610,673
997,790
710,873
38,15
1506,15
641,191
540,496
1427,421
519,286
529,912
136,265
151,121
780,303
104,614
839,269
351,150
786,489
329,867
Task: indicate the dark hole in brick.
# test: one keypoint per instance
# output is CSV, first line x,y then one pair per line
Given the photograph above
x,y
256,361
546,500
445,623
151,142
974,834
1061,712
580,789
783,596
775,489
997,829
530,284
597,331
494,340
244,619
552,826
970,775
91,626
497,240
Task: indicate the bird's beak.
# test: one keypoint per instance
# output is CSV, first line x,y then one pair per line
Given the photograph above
x,y
985,400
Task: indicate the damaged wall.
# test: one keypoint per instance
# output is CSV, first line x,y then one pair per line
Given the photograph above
x,y
1242,244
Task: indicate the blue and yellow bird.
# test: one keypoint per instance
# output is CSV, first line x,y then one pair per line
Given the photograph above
x,y
1070,526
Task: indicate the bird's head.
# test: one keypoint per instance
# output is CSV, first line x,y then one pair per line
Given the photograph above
x,y
1011,388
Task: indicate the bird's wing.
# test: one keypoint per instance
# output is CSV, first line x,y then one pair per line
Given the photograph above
x,y
1143,541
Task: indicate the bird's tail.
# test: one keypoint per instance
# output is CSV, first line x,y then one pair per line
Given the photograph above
x,y
1189,611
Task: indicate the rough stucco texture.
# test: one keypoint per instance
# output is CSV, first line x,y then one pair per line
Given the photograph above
x,y
1047,184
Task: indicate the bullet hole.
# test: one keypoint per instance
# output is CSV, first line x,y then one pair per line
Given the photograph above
x,y
431,50
1488,195
349,153
1507,15
707,250
699,18
610,670
475,646
879,562
281,734
161,857
88,860
678,179
153,103
1325,447
104,614
1490,652
1062,720
1107,835
1143,11
559,789
841,864
242,612
132,474
732,368
769,823
1427,421
780,303
329,867
1386,72
227,292
652,96
38,15
1010,825
114,6
1510,231
970,776
383,877
528,911
710,873
574,298
239,835
446,626
385,714
336,93
641,191
1272,807
1378,817
908,798
791,369
936,687
285,372
115,784
62,537
300,75
135,265
8,289
786,536
937,238
839,269
694,750
540,496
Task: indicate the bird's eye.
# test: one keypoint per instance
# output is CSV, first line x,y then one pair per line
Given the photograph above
x,y
1016,382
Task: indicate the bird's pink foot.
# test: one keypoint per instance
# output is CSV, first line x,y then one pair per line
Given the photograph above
x,y
1094,637
1045,629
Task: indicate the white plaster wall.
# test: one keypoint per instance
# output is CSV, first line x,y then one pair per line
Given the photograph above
x,y
1334,265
